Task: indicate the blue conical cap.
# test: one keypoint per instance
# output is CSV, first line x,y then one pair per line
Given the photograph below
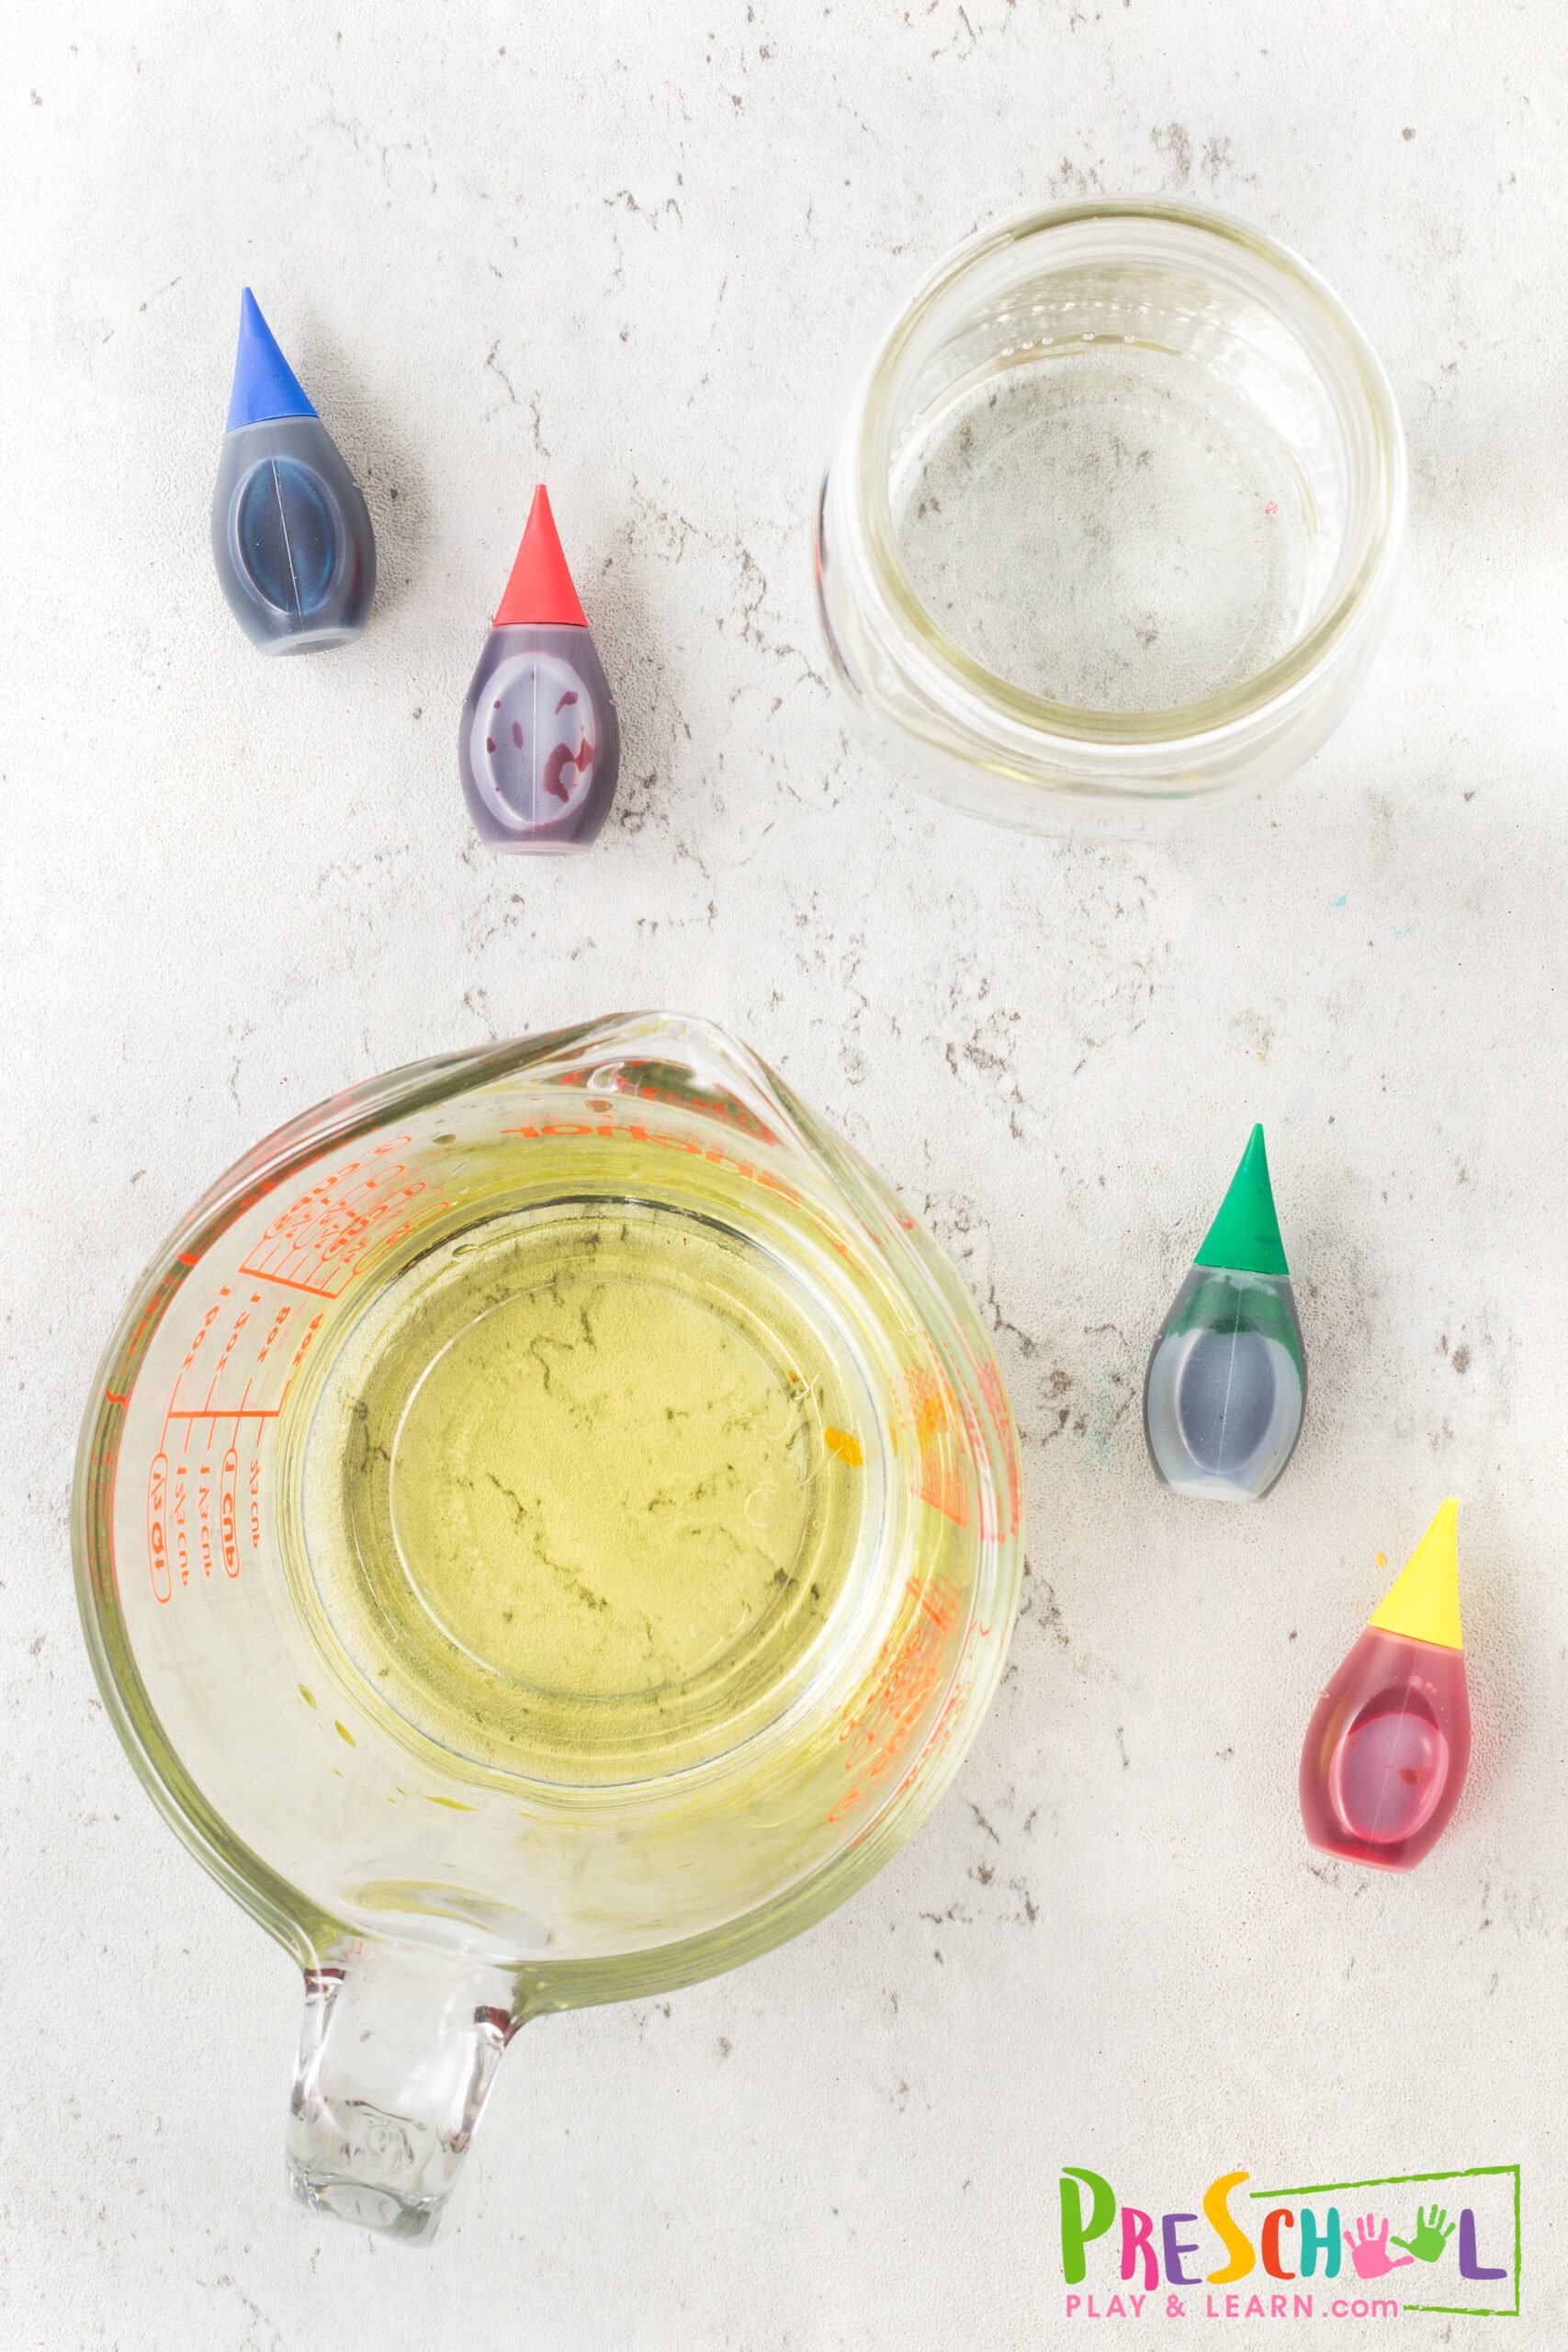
x,y
265,385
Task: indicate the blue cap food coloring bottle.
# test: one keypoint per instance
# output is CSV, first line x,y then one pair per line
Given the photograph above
x,y
291,535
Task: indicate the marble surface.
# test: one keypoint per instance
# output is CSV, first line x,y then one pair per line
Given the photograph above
x,y
636,252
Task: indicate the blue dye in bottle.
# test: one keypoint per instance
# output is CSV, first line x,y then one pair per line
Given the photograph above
x,y
291,535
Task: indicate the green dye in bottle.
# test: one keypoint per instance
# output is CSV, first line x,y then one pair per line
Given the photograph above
x,y
1227,1381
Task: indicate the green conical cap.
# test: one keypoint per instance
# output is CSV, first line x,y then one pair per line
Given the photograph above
x,y
1245,1234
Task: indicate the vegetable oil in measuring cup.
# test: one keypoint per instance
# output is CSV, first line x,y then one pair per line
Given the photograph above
x,y
589,1485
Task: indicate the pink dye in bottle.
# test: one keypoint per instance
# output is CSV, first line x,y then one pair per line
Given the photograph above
x,y
1389,1741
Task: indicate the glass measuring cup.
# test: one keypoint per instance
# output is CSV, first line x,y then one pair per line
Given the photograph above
x,y
1111,519
454,1826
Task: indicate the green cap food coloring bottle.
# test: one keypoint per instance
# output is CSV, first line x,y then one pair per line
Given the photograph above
x,y
1226,1383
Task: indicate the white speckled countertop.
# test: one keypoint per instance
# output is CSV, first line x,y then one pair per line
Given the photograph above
x,y
635,251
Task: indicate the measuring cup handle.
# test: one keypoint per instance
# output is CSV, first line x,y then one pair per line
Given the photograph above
x,y
398,2049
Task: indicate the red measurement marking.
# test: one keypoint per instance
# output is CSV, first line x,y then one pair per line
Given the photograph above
x,y
157,1528
213,1470
1000,1418
316,1322
208,1319
182,1544
227,1520
204,1516
635,1131
232,1342
939,1477
286,1282
279,1320
111,1399
316,1244
224,1413
906,1675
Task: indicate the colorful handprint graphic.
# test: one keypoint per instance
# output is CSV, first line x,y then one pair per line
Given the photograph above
x,y
1369,2250
1433,2230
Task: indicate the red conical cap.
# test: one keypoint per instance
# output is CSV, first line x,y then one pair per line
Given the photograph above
x,y
539,593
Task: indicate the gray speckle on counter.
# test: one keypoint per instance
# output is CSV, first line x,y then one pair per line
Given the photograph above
x,y
638,251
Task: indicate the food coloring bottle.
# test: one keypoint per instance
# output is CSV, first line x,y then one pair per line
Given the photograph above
x,y
1227,1381
1389,1741
539,745
291,535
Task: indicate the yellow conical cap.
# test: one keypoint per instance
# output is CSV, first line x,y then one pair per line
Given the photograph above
x,y
1423,1599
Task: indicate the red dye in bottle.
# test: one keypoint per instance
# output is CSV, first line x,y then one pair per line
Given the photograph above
x,y
539,743
1389,1741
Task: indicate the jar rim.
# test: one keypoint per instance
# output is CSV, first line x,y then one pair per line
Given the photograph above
x,y
931,653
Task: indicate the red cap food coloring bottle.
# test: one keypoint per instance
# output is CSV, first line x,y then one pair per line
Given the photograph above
x,y
539,747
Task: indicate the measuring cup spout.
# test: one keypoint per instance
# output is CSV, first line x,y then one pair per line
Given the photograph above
x,y
398,2050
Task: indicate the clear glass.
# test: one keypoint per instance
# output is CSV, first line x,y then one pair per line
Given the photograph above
x,y
441,1876
1111,519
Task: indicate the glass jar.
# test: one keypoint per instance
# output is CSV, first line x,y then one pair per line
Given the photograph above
x,y
1110,521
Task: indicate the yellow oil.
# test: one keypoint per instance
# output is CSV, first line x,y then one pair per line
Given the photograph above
x,y
584,1488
